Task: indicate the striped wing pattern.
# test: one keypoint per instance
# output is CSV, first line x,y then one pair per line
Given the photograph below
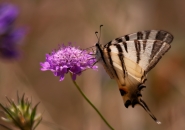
x,y
144,45
129,58
144,49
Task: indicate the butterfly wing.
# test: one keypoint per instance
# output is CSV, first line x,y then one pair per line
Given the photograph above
x,y
129,58
144,48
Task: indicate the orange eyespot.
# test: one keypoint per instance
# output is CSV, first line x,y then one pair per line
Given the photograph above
x,y
122,91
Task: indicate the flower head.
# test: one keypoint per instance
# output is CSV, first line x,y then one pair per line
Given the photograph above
x,y
9,37
68,59
22,115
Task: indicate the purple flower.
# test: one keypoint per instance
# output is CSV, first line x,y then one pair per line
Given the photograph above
x,y
9,37
68,59
8,14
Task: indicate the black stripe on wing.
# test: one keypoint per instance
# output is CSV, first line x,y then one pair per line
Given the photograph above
x,y
111,62
115,61
155,49
127,38
144,44
121,56
140,35
125,46
138,49
103,57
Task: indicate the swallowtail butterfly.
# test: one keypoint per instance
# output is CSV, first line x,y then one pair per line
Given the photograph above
x,y
129,58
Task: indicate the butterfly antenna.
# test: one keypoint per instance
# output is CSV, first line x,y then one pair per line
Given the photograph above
x,y
96,33
100,33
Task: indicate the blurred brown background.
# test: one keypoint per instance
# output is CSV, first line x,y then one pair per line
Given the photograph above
x,y
52,22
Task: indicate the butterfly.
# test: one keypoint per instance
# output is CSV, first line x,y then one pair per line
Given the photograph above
x,y
129,58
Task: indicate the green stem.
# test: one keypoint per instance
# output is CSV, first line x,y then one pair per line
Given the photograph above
x,y
91,104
